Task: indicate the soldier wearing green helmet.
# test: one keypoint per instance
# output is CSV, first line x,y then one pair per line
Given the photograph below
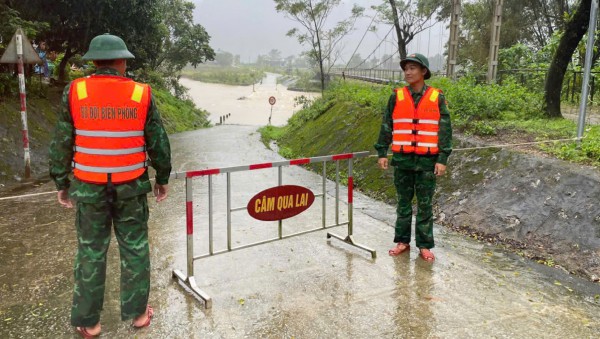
x,y
118,199
416,123
419,59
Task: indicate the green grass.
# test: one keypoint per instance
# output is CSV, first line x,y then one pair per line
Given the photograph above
x,y
179,115
348,118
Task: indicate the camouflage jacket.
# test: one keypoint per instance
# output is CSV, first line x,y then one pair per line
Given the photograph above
x,y
412,161
61,155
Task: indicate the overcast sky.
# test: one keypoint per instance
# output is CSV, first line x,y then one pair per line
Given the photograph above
x,y
253,27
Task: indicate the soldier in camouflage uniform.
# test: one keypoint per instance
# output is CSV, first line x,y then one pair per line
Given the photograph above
x,y
415,174
100,206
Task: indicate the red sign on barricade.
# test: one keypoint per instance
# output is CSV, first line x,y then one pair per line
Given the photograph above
x,y
280,202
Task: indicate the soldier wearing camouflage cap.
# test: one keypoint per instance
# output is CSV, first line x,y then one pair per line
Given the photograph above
x,y
107,126
417,124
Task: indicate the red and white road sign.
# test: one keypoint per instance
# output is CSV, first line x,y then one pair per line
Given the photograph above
x,y
272,100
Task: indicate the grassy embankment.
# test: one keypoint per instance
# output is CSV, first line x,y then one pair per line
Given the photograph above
x,y
348,117
242,76
43,102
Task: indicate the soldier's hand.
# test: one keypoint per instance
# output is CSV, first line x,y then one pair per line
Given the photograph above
x,y
383,163
63,199
439,169
160,192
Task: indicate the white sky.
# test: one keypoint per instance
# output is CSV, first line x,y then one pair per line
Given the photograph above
x,y
253,27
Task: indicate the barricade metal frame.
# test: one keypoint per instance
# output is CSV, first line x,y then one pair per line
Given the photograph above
x,y
189,281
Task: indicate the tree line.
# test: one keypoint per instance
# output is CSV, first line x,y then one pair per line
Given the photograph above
x,y
544,34
160,33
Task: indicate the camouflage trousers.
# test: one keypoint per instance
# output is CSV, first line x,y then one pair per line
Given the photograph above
x,y
408,183
93,221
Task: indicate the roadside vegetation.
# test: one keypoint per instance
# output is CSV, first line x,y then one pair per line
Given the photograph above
x,y
161,26
348,117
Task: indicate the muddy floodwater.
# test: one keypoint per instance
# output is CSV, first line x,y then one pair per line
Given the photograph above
x,y
302,287
247,105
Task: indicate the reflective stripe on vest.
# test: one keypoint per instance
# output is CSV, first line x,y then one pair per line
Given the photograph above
x,y
109,134
109,114
427,121
102,151
415,130
425,144
111,170
404,131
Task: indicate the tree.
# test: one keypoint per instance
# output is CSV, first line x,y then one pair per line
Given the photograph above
x,y
160,33
323,41
528,22
182,42
355,61
11,19
224,59
275,55
575,29
409,17
548,17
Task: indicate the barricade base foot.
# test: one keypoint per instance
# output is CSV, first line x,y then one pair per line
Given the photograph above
x,y
350,240
190,282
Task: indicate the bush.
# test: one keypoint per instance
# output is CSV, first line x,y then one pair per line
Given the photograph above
x,y
179,115
470,101
8,85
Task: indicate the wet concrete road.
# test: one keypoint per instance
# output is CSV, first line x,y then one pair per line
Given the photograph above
x,y
303,287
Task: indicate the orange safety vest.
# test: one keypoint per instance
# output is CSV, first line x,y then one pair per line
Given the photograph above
x,y
416,129
109,113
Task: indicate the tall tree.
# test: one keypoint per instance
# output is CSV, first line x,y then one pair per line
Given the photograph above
x,y
275,55
529,22
224,58
160,33
12,19
575,29
312,16
182,42
409,17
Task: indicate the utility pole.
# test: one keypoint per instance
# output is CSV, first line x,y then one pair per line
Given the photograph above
x,y
453,40
495,42
587,68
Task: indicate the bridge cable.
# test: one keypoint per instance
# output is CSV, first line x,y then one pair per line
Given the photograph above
x,y
364,60
359,43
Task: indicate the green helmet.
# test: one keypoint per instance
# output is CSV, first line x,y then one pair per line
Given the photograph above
x,y
107,47
420,59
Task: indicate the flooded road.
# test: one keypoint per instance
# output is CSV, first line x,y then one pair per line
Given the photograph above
x,y
303,287
247,105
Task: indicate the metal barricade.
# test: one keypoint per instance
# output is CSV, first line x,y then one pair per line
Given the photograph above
x,y
189,280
